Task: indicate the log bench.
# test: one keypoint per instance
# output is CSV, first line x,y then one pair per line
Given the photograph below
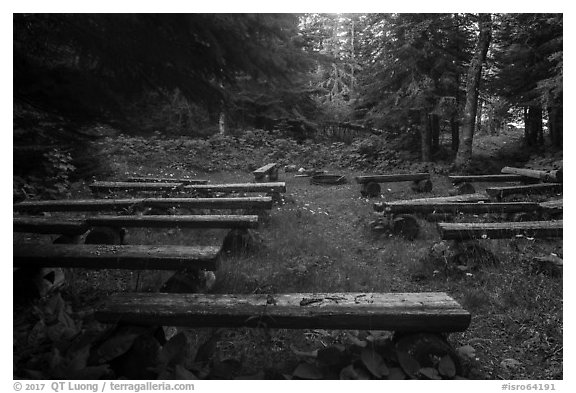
x,y
370,186
552,176
99,205
405,312
50,225
268,172
272,187
500,230
136,257
457,179
464,185
468,198
400,207
115,186
543,188
166,180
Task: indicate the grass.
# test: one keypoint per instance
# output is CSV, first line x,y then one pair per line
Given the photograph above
x,y
320,241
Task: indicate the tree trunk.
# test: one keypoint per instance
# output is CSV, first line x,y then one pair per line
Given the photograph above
x,y
533,125
555,125
435,130
455,128
426,136
479,116
472,87
222,123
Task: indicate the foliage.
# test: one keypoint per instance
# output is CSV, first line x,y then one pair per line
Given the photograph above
x,y
50,181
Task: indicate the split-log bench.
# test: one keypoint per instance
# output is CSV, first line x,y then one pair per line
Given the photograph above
x,y
553,176
268,172
405,312
500,230
400,207
166,180
273,187
464,185
468,198
136,257
543,188
46,225
371,188
115,186
81,205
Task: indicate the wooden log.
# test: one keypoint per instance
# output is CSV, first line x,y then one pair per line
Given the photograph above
x,y
371,189
407,312
166,180
500,230
70,205
543,188
49,225
116,257
553,176
550,265
555,205
392,178
486,178
238,187
170,221
400,207
470,198
106,186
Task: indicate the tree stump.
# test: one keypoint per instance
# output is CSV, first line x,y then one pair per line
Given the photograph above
x,y
422,186
525,216
465,188
105,235
371,189
406,226
550,265
190,281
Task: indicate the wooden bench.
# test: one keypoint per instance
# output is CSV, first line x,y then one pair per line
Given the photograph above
x,y
553,208
371,188
166,180
468,198
80,205
544,188
109,186
400,207
456,179
553,176
274,187
500,230
406,312
268,172
138,257
49,225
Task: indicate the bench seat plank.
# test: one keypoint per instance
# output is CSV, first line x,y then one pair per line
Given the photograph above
x,y
500,230
166,180
434,311
555,205
169,221
92,256
542,188
467,198
456,207
486,178
71,205
48,225
238,187
133,186
392,178
265,169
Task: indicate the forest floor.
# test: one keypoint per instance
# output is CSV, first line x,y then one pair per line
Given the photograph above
x,y
320,240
